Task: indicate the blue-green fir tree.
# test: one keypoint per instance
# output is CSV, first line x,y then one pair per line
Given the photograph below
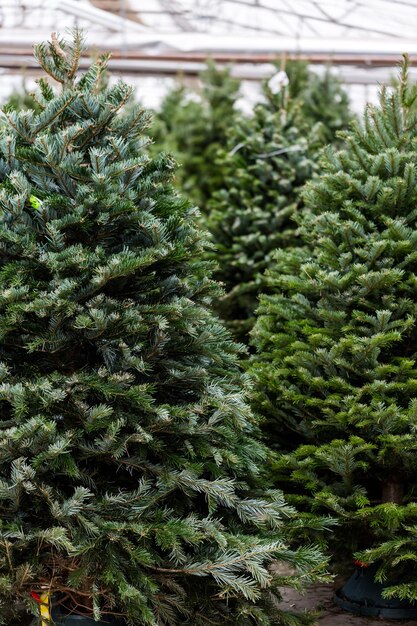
x,y
336,362
129,461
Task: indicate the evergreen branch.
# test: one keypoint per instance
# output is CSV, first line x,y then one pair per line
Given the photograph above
x,y
56,114
55,45
265,155
78,48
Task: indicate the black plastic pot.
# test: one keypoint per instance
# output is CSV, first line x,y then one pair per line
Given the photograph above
x,y
59,619
362,595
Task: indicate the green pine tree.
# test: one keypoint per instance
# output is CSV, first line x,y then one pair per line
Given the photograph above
x,y
129,464
327,102
323,98
336,366
21,99
271,155
173,112
193,126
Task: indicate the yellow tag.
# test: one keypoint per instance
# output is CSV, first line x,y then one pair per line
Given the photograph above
x,y
44,609
35,202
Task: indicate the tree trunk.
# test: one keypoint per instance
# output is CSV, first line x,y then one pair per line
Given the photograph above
x,y
393,491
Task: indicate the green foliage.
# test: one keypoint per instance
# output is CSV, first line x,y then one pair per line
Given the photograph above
x,y
323,98
246,173
193,126
270,157
130,469
336,366
21,99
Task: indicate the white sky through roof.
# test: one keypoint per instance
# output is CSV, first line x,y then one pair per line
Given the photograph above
x,y
290,18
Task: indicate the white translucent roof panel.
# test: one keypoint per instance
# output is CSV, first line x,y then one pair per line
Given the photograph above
x,y
290,18
355,21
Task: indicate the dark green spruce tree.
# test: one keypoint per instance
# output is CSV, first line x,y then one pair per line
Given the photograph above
x,y
193,126
336,366
20,99
269,158
322,96
129,464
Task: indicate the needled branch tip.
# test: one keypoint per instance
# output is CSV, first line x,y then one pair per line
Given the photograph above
x,y
57,48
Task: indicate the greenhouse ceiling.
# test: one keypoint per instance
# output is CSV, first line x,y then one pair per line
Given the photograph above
x,y
310,26
167,36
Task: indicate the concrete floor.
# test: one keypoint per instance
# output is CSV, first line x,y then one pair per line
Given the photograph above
x,y
320,598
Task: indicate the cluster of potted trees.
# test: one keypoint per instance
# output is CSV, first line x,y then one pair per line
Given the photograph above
x,y
135,486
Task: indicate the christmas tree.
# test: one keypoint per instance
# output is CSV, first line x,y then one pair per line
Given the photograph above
x,y
336,365
322,96
270,157
20,99
193,126
130,470
174,111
